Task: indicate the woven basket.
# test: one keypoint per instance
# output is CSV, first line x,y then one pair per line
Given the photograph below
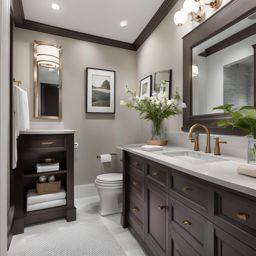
x,y
48,187
157,142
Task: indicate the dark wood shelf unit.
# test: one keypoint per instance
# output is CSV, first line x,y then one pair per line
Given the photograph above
x,y
31,150
33,175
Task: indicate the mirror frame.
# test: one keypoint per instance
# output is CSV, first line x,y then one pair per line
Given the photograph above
x,y
229,15
37,114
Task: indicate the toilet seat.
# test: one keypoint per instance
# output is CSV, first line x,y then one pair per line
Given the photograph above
x,y
110,178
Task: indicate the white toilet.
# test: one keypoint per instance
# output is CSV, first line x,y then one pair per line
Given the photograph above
x,y
109,187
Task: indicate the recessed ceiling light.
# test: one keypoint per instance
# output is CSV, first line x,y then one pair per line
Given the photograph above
x,y
55,6
123,23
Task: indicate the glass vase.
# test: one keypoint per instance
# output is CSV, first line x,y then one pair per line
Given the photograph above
x,y
157,130
251,157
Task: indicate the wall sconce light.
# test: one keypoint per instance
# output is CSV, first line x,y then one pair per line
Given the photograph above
x,y
195,9
48,55
195,71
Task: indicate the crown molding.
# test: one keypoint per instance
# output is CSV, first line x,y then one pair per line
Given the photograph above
x,y
21,22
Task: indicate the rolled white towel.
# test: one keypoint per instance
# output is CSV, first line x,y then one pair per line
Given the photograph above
x,y
247,169
45,205
151,148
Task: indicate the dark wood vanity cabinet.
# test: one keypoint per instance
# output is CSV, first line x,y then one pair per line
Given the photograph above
x,y
32,148
175,214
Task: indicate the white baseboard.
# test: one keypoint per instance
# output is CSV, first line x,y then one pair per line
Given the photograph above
x,y
85,190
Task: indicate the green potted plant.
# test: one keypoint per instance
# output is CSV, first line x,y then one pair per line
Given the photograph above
x,y
155,109
243,118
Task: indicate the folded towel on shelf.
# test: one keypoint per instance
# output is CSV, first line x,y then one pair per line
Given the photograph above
x,y
45,205
151,148
34,198
247,169
48,167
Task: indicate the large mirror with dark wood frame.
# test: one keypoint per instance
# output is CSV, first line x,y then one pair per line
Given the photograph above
x,y
219,67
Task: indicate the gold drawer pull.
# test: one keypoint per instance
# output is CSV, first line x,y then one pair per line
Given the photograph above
x,y
155,173
243,216
162,207
187,222
47,142
134,183
187,189
135,209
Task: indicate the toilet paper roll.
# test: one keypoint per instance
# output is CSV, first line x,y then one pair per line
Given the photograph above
x,y
105,158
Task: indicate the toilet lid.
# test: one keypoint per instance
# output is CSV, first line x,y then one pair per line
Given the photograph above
x,y
110,177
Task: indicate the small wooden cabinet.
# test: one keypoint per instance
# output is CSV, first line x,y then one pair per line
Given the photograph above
x,y
31,149
175,214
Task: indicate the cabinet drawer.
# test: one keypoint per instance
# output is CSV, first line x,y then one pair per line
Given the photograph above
x,y
135,162
180,247
190,189
45,141
236,210
158,173
136,209
194,224
136,183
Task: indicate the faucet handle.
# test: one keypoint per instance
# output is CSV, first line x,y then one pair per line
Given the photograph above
x,y
195,140
217,146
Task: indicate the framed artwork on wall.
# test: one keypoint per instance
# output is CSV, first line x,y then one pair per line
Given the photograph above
x,y
163,82
146,86
100,91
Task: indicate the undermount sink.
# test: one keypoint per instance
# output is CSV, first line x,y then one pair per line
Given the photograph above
x,y
194,157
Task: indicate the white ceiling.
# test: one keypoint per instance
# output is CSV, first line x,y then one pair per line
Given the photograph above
x,y
96,17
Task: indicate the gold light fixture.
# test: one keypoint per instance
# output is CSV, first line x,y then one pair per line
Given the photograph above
x,y
194,8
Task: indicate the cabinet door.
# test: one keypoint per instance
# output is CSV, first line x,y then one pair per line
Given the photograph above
x,y
156,219
226,245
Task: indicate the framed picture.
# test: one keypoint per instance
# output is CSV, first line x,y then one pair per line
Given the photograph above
x,y
100,91
163,82
146,86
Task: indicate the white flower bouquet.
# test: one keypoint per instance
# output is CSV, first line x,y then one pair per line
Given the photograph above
x,y
155,108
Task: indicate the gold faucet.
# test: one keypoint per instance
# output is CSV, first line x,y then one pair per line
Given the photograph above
x,y
195,140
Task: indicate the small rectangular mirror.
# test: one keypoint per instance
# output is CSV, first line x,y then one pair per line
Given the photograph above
x,y
47,81
163,82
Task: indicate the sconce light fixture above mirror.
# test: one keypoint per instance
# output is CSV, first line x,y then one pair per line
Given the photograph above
x,y
194,8
47,81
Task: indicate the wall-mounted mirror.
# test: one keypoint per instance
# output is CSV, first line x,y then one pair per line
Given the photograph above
x,y
47,81
219,64
163,82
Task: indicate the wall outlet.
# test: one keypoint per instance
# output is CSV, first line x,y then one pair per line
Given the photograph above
x,y
76,145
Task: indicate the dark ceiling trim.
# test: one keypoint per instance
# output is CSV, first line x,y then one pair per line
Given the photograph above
x,y
40,27
164,9
239,36
21,22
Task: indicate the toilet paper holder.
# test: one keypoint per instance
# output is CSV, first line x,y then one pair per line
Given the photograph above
x,y
112,154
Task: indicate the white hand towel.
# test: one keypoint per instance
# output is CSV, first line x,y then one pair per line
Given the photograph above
x,y
151,148
247,169
34,198
45,205
20,118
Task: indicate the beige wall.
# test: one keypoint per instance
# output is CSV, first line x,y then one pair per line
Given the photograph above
x,y
162,51
94,135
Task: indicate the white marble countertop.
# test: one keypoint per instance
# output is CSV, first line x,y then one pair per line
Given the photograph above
x,y
62,131
223,173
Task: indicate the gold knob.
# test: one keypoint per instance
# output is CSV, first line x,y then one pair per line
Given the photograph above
x,y
187,222
155,173
47,143
135,209
243,216
162,207
187,189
